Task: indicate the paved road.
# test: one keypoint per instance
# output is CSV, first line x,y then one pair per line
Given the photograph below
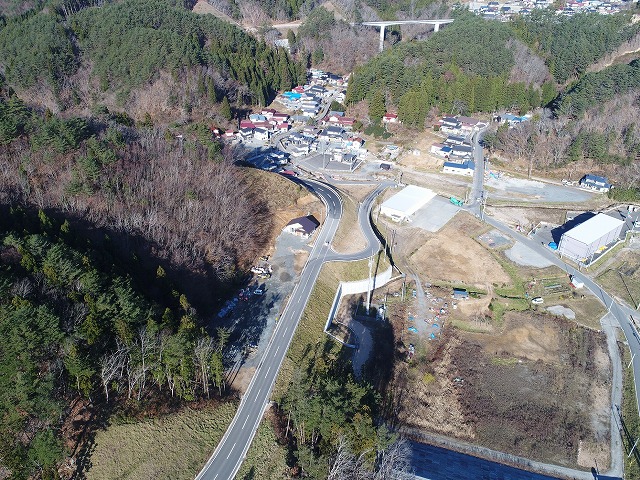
x,y
618,315
232,449
477,188
364,216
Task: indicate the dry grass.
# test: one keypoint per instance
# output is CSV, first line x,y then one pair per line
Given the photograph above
x,y
174,447
349,237
266,458
622,277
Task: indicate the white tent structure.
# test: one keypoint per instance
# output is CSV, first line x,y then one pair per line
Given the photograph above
x,y
406,202
590,237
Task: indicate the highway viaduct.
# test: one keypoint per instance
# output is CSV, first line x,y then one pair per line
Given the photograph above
x,y
384,24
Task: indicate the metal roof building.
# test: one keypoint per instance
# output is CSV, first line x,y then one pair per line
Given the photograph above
x,y
406,202
590,237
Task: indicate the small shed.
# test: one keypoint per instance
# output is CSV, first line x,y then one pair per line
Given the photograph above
x,y
460,293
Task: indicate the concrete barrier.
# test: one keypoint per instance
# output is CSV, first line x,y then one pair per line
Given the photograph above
x,y
356,286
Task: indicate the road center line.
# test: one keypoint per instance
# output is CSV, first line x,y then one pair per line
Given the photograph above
x,y
234,446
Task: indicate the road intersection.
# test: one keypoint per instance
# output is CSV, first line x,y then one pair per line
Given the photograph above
x,y
231,451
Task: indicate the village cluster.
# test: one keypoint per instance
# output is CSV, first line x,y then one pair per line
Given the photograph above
x,y
504,11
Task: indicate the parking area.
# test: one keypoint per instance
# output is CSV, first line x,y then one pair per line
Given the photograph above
x,y
434,215
325,161
253,315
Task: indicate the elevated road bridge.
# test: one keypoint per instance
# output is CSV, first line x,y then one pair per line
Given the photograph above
x,y
384,24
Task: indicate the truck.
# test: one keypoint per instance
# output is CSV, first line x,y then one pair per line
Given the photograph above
x,y
455,201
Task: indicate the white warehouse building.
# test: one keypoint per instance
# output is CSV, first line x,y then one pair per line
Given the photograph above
x,y
590,237
406,202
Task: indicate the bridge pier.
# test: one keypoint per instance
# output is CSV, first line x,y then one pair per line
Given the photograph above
x,y
381,47
436,27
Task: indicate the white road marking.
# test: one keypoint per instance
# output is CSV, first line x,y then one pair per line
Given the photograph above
x,y
245,421
277,348
234,446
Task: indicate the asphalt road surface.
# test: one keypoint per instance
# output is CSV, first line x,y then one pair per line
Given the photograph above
x,y
232,449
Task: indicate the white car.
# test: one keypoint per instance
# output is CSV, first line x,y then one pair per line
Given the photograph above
x,y
537,300
258,291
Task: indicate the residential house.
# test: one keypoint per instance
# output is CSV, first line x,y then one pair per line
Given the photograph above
x,y
246,133
459,168
261,134
390,118
595,182
302,226
454,140
463,150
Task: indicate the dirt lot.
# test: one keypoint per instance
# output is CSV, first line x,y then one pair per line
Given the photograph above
x,y
537,388
527,217
501,372
452,255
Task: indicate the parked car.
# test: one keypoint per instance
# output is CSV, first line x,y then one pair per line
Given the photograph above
x,y
537,300
258,291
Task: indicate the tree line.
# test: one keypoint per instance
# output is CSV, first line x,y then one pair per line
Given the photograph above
x,y
334,423
74,323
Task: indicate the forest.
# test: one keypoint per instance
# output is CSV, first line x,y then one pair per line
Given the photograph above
x,y
74,323
469,66
122,47
114,251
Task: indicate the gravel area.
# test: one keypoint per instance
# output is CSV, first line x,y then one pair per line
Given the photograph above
x,y
523,255
509,188
560,310
434,215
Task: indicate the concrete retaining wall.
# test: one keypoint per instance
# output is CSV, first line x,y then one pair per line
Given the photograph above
x,y
357,286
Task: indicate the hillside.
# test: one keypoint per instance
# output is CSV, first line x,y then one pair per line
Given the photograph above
x,y
144,57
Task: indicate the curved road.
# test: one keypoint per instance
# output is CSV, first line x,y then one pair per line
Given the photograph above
x,y
231,451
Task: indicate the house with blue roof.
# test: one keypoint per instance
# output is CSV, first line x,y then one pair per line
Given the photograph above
x,y
595,182
460,168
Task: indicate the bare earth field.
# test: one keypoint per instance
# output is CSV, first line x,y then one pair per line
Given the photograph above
x,y
501,372
538,388
452,255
